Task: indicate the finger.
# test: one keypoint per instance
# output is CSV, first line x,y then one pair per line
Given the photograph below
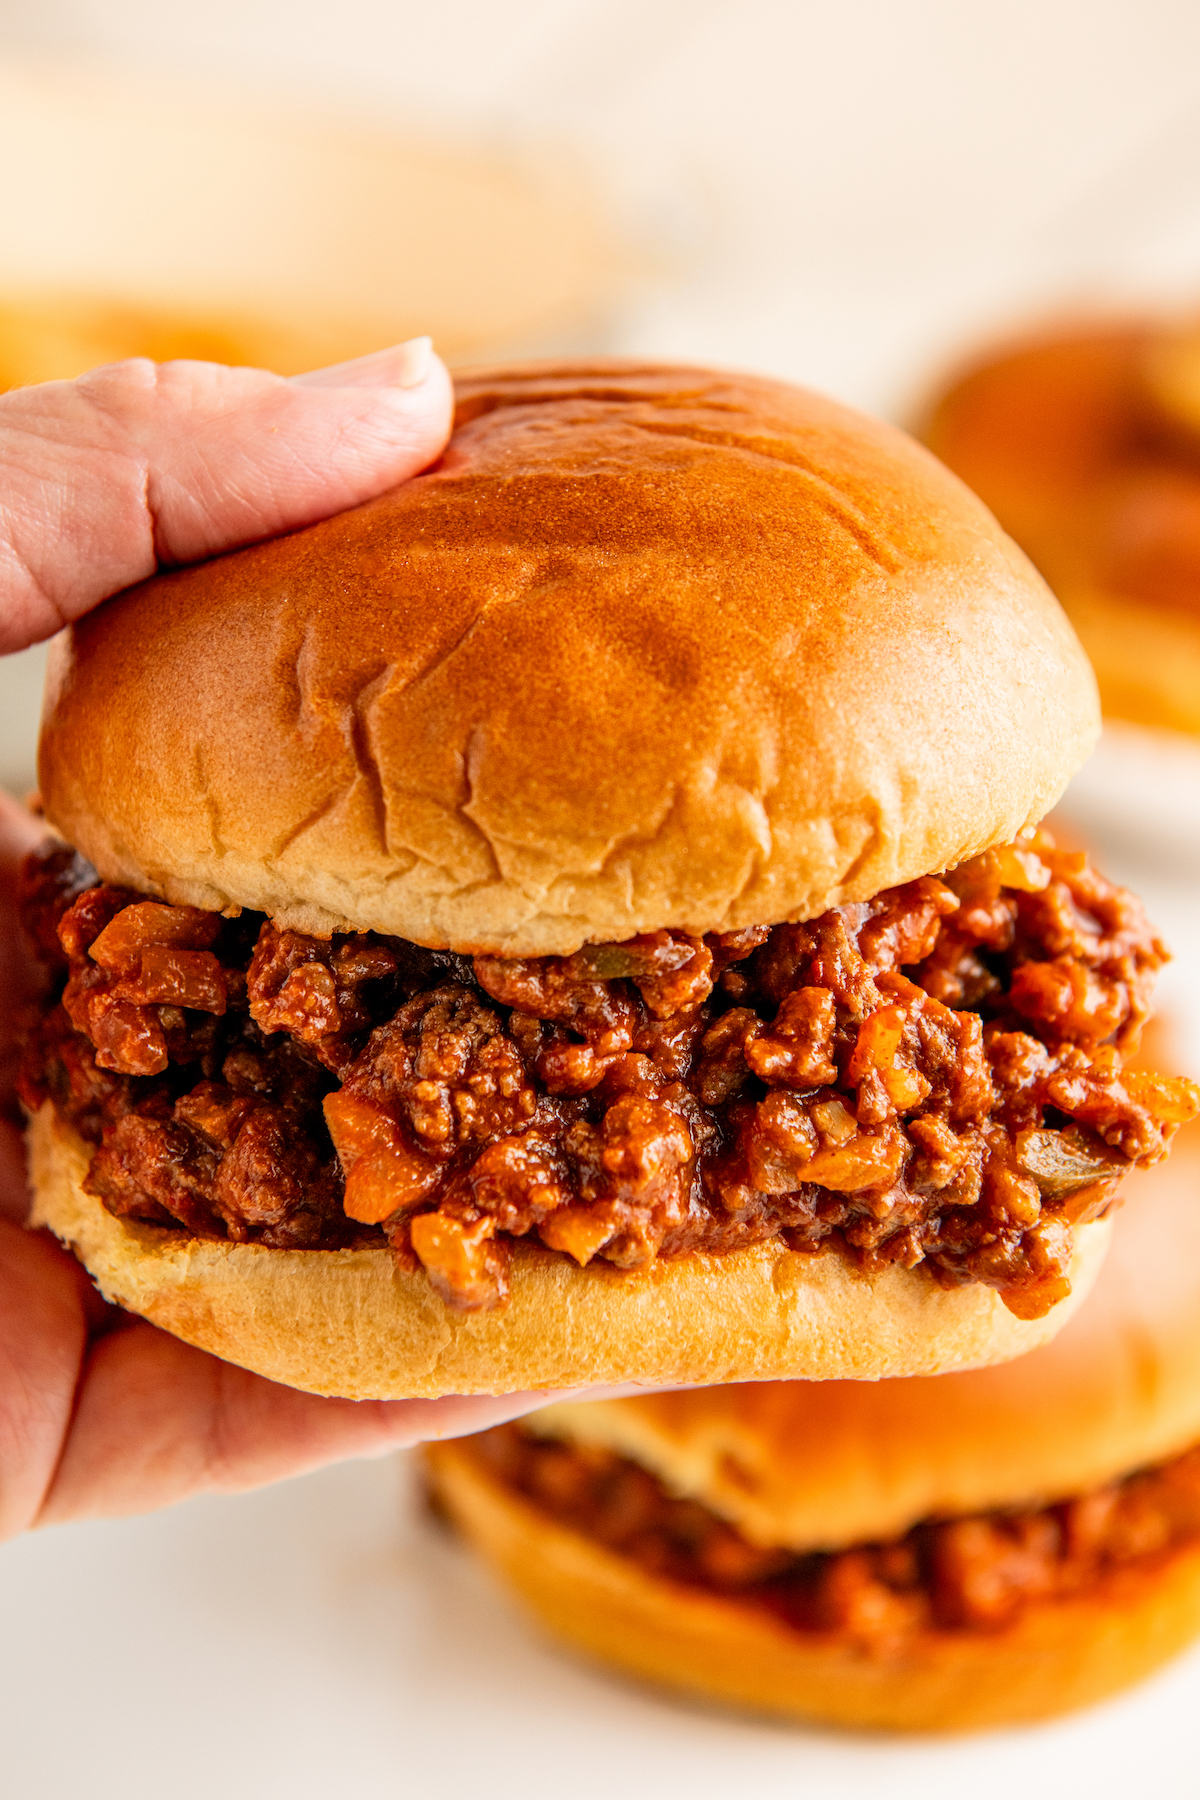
x,y
401,365
156,1421
42,1337
139,1420
20,830
139,463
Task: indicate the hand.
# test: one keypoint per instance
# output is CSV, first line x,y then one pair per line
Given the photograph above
x,y
101,481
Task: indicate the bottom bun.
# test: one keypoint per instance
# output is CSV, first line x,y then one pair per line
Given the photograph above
x,y
1057,1656
350,1323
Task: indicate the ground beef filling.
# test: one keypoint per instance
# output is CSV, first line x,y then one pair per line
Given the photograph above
x,y
976,1573
935,1075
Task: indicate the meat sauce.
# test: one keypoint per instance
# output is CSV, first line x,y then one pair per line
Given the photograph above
x,y
936,1075
973,1573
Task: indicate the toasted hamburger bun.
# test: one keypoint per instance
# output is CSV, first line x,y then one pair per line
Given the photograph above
x,y
826,1465
1053,1658
649,647
1083,441
350,1322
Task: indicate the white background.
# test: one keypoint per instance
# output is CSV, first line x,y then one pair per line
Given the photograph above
x,y
846,194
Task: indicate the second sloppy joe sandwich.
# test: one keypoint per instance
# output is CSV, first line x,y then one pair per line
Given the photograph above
x,y
576,918
974,1550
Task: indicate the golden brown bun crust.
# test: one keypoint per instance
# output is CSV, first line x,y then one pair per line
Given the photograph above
x,y
824,1466
1055,1657
349,1322
649,647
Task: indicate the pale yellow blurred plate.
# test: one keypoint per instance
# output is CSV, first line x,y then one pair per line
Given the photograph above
x,y
139,216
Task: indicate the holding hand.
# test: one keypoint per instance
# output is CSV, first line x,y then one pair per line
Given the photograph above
x,y
102,480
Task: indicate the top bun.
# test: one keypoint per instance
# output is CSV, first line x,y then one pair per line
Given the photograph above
x,y
648,647
824,1464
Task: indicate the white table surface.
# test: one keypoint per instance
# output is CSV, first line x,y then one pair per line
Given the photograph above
x,y
842,194
324,1639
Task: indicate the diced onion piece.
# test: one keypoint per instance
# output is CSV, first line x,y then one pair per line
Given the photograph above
x,y
1021,869
578,1231
862,1162
170,977
1174,1098
460,1259
383,1175
148,922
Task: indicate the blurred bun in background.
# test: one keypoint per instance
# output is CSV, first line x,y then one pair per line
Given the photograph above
x,y
1085,442
52,337
163,219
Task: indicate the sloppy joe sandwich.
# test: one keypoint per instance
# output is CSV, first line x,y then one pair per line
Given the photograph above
x,y
968,1550
578,918
1084,441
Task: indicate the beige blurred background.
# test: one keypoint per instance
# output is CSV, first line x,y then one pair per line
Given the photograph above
x,y
846,194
